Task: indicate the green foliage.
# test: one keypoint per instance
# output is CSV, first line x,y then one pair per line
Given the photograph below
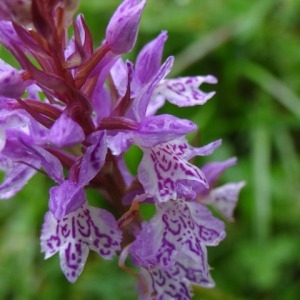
x,y
252,47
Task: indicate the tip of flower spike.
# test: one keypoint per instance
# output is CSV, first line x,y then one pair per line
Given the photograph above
x,y
121,32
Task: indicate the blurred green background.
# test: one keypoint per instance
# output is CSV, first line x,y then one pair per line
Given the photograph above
x,y
253,48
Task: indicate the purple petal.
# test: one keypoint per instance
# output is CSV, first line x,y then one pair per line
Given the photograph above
x,y
94,157
224,198
10,119
66,198
49,162
85,229
10,39
155,103
11,82
184,91
160,129
16,176
149,59
121,32
213,170
65,132
204,150
123,168
119,142
102,102
142,99
211,230
119,74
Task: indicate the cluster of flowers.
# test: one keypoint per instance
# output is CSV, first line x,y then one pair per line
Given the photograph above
x,y
73,108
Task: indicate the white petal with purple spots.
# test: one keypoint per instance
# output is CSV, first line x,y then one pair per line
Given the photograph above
x,y
85,229
178,235
164,165
184,91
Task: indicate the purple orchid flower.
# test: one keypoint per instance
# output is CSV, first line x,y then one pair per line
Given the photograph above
x,y
171,249
86,228
72,112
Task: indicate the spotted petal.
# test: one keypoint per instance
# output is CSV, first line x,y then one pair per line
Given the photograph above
x,y
185,91
165,166
224,198
158,284
85,229
178,234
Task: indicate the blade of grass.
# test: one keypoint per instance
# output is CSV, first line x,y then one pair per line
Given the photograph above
x,y
272,85
261,172
244,23
289,161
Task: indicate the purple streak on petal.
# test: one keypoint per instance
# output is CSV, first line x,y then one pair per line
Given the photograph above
x,y
83,40
85,229
65,132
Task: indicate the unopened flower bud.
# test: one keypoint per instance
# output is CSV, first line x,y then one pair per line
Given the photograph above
x,y
121,32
